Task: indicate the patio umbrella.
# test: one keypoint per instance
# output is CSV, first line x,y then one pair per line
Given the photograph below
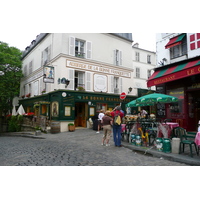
x,y
134,104
20,110
14,112
156,98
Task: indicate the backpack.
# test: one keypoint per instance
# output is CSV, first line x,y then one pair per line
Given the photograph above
x,y
117,119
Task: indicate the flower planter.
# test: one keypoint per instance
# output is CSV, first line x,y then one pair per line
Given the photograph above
x,y
71,128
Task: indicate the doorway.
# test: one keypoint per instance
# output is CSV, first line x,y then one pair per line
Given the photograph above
x,y
194,109
81,113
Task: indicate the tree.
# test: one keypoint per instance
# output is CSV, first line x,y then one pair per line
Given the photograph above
x,y
11,65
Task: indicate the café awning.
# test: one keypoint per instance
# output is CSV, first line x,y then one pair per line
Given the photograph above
x,y
175,41
174,72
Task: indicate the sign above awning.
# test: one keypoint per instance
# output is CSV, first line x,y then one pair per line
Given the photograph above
x,y
175,72
175,41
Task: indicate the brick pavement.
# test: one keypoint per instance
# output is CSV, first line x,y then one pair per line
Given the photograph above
x,y
79,148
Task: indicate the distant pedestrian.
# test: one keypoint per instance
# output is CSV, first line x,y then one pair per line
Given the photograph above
x,y
117,128
107,121
100,116
143,113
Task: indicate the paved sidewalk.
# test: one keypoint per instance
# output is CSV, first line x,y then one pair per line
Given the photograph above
x,y
148,151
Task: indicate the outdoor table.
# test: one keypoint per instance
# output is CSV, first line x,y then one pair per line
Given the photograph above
x,y
168,126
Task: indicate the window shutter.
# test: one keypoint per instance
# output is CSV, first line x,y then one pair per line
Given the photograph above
x,y
89,50
49,53
41,85
88,81
36,88
114,56
42,59
120,57
72,46
71,79
30,67
112,84
120,85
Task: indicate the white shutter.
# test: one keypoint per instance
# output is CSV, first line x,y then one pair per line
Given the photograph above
x,y
88,81
41,85
72,46
36,85
114,56
120,85
71,79
89,50
42,59
112,84
49,53
120,57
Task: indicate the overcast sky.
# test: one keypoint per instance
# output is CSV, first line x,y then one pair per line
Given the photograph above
x,y
23,39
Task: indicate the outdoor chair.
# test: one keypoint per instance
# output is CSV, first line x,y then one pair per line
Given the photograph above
x,y
184,140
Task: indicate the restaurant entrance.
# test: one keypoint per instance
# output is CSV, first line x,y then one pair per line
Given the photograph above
x,y
193,110
81,113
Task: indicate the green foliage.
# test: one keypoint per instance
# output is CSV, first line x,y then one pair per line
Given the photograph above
x,y
70,124
14,124
11,65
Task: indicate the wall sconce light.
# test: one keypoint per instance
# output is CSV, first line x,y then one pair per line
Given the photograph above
x,y
130,90
67,83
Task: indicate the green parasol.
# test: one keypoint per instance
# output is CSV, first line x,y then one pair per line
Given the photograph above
x,y
134,104
156,98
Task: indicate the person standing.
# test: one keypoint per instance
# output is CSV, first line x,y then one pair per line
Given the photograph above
x,y
143,113
100,116
106,122
117,128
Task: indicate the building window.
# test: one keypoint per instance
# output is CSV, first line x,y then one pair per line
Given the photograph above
x,y
137,71
46,55
30,67
117,57
179,50
25,70
149,59
79,80
137,56
116,85
80,48
148,73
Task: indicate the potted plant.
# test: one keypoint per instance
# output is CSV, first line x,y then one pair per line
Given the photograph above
x,y
71,127
28,95
37,130
81,88
43,91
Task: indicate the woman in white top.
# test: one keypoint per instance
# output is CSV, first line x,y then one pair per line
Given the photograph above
x,y
100,116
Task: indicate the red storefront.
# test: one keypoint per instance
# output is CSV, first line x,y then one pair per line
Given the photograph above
x,y
182,80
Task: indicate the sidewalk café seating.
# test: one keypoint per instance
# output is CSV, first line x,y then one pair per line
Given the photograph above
x,y
184,139
126,133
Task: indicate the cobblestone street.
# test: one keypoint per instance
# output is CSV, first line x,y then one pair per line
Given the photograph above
x,y
79,148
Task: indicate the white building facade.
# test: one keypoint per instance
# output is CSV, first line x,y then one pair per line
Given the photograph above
x,y
143,66
96,62
70,76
